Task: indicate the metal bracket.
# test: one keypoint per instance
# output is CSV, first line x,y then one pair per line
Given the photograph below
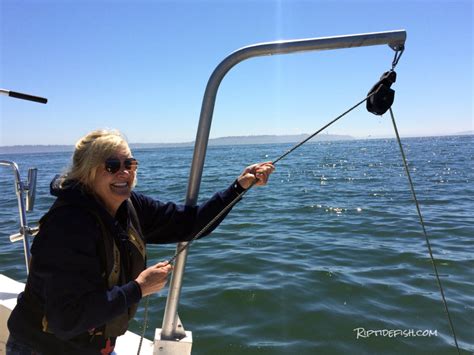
x,y
29,231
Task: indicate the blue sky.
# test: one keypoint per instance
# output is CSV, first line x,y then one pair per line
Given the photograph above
x,y
142,67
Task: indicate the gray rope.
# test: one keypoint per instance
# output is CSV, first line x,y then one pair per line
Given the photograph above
x,y
240,195
322,128
428,244
145,325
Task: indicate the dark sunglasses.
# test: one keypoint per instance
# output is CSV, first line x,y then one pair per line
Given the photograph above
x,y
112,165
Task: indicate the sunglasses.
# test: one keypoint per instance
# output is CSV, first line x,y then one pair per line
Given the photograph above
x,y
113,165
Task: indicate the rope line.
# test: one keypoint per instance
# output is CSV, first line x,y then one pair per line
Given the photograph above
x,y
145,325
428,244
323,128
240,195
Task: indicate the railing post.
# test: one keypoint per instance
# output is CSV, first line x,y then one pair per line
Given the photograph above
x,y
20,188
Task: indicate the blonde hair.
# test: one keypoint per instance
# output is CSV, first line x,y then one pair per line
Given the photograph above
x,y
90,153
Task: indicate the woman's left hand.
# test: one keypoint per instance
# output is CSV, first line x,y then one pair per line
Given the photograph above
x,y
256,174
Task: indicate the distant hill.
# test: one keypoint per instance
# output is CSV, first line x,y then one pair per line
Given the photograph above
x,y
266,139
235,140
242,140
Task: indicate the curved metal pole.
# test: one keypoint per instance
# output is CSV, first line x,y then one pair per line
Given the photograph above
x,y
395,39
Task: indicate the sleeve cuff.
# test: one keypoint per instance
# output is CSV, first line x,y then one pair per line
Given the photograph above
x,y
237,188
132,292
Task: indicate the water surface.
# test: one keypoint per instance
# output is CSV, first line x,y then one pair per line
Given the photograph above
x,y
333,244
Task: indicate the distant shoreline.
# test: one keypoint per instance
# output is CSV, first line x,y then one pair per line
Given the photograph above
x,y
221,141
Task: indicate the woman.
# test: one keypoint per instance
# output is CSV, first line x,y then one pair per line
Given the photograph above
x,y
87,271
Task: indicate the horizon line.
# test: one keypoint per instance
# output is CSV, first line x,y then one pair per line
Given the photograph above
x,y
347,137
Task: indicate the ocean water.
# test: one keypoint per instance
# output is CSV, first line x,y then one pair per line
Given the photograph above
x,y
330,251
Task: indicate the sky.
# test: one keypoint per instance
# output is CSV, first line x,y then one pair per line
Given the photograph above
x,y
142,67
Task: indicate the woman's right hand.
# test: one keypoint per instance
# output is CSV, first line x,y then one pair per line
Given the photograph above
x,y
154,278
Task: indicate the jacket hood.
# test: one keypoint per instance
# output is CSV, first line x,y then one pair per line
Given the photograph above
x,y
71,188
75,193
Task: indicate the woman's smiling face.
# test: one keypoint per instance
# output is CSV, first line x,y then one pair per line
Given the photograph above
x,y
114,188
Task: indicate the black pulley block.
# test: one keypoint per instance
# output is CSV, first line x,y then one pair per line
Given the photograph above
x,y
383,95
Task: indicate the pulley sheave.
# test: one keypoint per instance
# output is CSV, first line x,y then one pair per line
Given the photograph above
x,y
381,96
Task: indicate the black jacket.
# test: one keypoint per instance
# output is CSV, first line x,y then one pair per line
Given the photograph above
x,y
66,273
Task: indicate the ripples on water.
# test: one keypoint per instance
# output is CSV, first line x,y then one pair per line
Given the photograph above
x,y
332,244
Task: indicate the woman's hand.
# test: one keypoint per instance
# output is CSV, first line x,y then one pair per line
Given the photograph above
x,y
257,174
154,278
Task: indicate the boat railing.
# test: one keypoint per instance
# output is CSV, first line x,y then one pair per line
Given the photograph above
x,y
26,193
